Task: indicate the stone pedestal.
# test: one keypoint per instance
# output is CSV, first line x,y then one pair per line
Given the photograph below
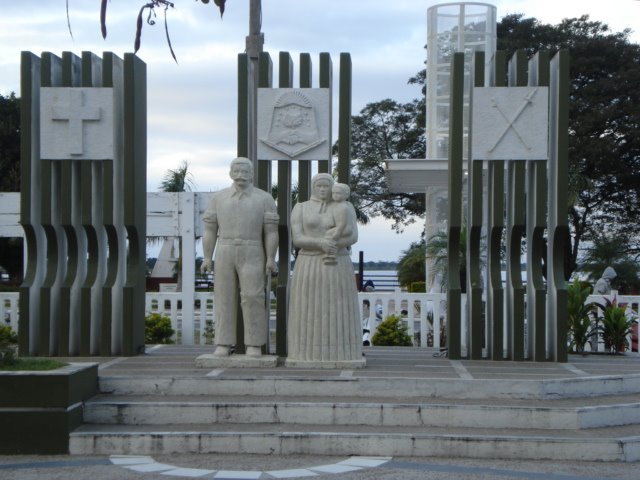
x,y
336,365
236,361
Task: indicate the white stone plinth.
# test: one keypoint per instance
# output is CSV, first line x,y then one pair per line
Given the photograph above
x,y
209,360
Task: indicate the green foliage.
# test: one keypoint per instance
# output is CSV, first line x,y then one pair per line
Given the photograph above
x,y
383,130
157,329
604,114
411,266
33,364
178,180
615,327
9,143
209,332
579,321
418,287
609,251
8,343
437,251
392,332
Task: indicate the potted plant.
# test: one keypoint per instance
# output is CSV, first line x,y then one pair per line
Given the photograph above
x,y
616,327
579,315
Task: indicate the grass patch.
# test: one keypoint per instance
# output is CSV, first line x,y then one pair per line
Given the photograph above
x,y
32,364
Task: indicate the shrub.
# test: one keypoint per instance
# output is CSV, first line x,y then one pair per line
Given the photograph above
x,y
579,312
418,287
209,332
615,328
8,341
157,329
392,332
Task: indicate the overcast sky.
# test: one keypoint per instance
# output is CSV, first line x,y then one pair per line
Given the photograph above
x,y
192,104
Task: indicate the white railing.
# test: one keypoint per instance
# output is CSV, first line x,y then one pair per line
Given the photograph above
x,y
423,313
9,302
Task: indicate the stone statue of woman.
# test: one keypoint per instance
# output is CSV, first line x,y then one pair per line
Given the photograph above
x,y
324,329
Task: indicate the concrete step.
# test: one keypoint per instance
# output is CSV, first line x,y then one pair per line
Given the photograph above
x,y
343,384
607,444
193,410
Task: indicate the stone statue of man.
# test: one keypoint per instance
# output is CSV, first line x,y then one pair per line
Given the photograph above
x,y
241,225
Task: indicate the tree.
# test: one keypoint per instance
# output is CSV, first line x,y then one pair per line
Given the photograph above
x,y
604,117
411,267
9,143
177,181
11,256
607,251
384,130
436,250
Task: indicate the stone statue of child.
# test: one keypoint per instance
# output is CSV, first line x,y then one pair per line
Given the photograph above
x,y
241,225
343,214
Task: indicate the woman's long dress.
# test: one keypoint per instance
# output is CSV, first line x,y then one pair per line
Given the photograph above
x,y
324,320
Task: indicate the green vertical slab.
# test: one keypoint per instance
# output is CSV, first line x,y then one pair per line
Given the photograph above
x,y
495,230
265,80
112,67
516,228
456,127
474,234
285,80
243,105
90,194
71,77
326,81
536,227
558,231
135,202
29,176
51,76
344,120
304,166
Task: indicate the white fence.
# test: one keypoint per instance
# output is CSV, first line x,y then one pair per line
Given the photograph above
x,y
423,313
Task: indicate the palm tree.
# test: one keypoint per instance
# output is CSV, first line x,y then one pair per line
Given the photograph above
x,y
612,252
411,266
436,250
176,181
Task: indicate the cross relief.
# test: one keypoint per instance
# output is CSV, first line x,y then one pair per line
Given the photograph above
x,y
76,123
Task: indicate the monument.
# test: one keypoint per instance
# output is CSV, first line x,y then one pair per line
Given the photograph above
x,y
83,204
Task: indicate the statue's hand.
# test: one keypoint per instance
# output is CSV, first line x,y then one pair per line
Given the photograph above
x,y
329,246
206,266
272,267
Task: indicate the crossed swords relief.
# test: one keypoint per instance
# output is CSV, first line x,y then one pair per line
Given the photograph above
x,y
528,100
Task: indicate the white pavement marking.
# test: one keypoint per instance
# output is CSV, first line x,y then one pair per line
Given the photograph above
x,y
574,369
365,461
144,464
215,373
249,475
335,468
460,370
188,472
301,472
150,467
346,373
130,460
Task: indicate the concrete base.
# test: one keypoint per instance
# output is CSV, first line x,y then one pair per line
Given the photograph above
x,y
38,409
339,365
236,361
